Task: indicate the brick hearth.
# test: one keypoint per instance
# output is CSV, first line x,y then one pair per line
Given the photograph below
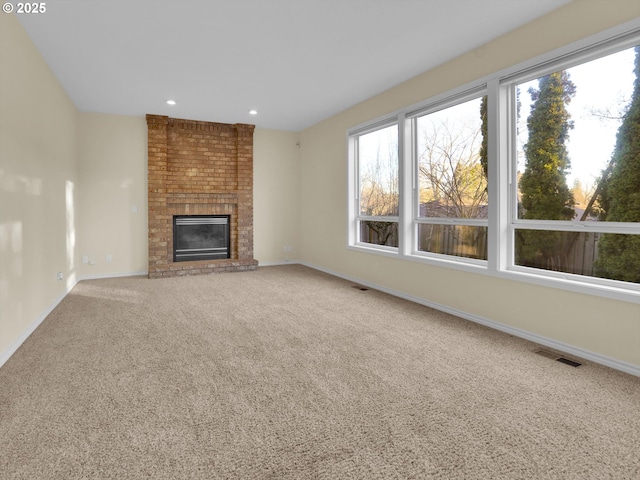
x,y
199,168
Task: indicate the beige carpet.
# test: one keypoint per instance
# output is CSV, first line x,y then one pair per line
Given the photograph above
x,y
288,373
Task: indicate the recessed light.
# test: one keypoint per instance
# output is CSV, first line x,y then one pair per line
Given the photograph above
x,y
171,102
253,112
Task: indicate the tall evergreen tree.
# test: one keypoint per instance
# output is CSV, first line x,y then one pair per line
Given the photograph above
x,y
619,255
544,192
484,146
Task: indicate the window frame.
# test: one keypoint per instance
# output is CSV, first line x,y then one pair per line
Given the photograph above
x,y
508,85
354,140
411,119
502,221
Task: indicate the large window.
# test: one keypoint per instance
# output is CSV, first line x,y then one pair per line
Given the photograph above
x,y
378,186
533,174
576,169
452,181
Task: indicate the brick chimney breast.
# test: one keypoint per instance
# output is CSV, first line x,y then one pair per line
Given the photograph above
x,y
199,168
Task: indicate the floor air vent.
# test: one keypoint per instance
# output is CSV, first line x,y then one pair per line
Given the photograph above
x,y
566,361
557,358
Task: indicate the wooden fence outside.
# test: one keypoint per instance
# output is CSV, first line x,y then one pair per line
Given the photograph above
x,y
577,251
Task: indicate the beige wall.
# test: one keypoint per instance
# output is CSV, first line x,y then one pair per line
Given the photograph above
x,y
112,179
276,162
38,185
598,325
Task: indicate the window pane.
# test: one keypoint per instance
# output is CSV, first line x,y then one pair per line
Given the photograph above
x,y
459,240
378,172
452,180
379,233
605,255
576,155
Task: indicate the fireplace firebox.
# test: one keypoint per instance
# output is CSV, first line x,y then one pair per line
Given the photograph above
x,y
200,237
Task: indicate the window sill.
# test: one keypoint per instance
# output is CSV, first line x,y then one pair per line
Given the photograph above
x,y
375,249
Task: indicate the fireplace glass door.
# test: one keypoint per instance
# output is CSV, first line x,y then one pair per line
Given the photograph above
x,y
200,237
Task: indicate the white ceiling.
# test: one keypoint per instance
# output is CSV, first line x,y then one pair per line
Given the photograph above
x,y
296,61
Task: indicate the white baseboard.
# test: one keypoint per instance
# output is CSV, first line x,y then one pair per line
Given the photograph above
x,y
277,264
6,355
113,275
516,332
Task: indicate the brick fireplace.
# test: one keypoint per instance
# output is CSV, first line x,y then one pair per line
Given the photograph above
x,y
199,168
